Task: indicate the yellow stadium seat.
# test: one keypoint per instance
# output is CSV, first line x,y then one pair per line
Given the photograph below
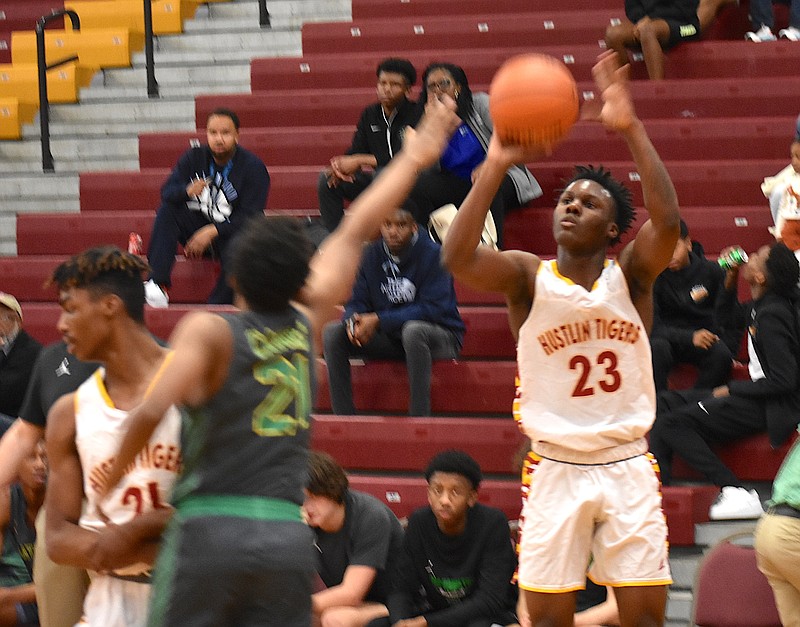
x,y
168,15
13,114
21,81
96,48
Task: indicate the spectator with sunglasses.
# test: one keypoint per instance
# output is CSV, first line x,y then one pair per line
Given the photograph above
x,y
450,180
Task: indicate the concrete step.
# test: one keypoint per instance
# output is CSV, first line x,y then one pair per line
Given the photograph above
x,y
142,109
210,40
103,94
74,148
208,58
120,128
235,73
72,166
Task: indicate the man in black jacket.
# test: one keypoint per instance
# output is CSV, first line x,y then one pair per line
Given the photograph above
x,y
686,299
378,137
457,561
210,194
687,423
18,352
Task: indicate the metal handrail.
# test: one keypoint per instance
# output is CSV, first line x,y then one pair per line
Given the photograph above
x,y
41,62
152,85
263,14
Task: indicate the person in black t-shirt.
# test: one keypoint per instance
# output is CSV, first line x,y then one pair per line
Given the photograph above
x,y
688,300
457,561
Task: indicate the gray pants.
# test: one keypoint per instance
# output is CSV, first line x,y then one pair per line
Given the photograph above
x,y
421,342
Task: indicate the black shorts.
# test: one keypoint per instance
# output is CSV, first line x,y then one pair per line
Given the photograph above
x,y
216,571
680,31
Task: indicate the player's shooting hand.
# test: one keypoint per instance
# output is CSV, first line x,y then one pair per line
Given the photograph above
x,y
616,111
200,241
425,143
705,339
509,154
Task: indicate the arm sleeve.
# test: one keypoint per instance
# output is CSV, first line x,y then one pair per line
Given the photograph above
x,y
370,537
253,192
404,579
359,145
359,302
777,338
490,597
174,189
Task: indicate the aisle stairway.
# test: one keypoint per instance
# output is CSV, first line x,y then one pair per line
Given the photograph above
x,y
722,120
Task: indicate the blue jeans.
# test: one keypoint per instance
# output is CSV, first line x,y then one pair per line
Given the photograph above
x,y
421,342
761,13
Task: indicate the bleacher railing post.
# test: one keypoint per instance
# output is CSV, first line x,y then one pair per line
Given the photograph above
x,y
152,85
41,62
263,14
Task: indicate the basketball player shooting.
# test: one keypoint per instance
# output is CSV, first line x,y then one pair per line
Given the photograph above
x,y
586,395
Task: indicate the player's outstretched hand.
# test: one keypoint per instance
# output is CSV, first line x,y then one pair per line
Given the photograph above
x,y
425,143
511,154
616,111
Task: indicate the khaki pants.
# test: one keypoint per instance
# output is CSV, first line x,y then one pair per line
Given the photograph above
x,y
777,542
59,589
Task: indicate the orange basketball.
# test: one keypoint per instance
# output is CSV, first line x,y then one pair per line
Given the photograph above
x,y
533,101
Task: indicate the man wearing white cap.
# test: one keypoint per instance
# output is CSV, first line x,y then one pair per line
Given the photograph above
x,y
18,351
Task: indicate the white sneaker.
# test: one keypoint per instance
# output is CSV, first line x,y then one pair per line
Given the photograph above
x,y
791,33
762,34
155,296
736,504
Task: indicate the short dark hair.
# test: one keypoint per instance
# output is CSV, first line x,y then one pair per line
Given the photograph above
x,y
326,477
458,463
625,213
783,270
225,112
106,270
396,65
269,261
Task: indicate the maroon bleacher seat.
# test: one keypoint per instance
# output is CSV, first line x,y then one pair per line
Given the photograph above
x,y
459,31
457,387
366,9
23,15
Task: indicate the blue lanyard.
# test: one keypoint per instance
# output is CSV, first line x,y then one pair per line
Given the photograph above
x,y
225,171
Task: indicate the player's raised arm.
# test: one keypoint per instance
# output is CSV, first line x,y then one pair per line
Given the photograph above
x,y
645,258
479,266
334,266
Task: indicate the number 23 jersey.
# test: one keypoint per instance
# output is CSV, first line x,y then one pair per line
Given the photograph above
x,y
585,371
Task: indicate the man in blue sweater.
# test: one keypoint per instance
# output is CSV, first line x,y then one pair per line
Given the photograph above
x,y
403,306
210,194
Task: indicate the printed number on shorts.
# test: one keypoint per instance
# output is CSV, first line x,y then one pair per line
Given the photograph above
x,y
136,495
289,386
609,379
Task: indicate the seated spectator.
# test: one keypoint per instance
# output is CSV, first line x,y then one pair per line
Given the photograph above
x,y
461,161
18,352
457,561
686,329
763,21
19,505
776,539
211,192
783,189
653,27
357,537
378,137
688,423
403,306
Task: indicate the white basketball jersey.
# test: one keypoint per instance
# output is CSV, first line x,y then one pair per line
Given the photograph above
x,y
585,371
146,484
